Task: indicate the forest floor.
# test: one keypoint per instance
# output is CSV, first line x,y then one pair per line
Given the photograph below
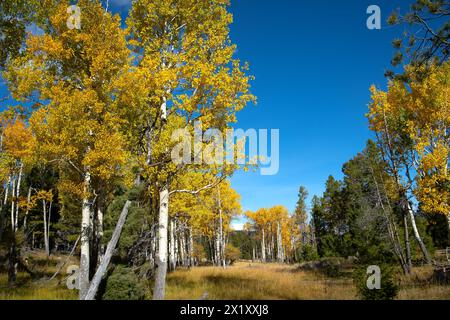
x,y
243,280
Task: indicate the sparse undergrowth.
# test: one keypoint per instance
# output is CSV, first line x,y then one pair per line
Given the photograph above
x,y
243,280
38,287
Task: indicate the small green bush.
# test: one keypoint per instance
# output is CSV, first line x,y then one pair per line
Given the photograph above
x,y
232,254
123,284
331,267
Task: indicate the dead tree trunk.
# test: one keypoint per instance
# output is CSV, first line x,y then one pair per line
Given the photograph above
x,y
407,243
417,235
92,291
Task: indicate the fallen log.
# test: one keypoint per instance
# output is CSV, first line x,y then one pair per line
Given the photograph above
x,y
92,291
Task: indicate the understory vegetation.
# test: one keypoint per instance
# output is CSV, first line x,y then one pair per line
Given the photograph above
x,y
243,280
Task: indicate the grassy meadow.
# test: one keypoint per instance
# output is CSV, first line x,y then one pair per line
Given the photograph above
x,y
243,280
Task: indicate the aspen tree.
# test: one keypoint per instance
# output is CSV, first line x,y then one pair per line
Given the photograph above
x,y
184,46
73,75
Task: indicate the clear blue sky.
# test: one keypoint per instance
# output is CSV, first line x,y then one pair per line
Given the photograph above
x,y
314,62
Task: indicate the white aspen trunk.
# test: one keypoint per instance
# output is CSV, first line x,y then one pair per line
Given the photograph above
x,y
263,247
221,242
417,235
183,248
13,196
86,229
5,201
172,245
191,247
3,209
19,180
161,257
47,249
279,244
221,233
92,291
154,242
272,247
12,263
176,248
26,212
99,234
217,247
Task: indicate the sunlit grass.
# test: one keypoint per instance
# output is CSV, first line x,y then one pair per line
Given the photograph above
x,y
419,285
39,288
254,281
244,280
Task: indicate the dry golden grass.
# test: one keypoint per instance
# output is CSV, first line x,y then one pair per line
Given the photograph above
x,y
244,280
419,286
27,288
255,281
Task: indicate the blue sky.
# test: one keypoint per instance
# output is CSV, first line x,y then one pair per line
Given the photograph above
x,y
314,62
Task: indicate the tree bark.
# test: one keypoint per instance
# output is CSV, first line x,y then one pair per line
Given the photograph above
x,y
407,244
19,182
46,244
417,235
176,247
191,247
221,242
99,232
12,258
161,257
86,229
26,212
92,291
279,244
4,208
263,247
172,245
183,247
13,197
